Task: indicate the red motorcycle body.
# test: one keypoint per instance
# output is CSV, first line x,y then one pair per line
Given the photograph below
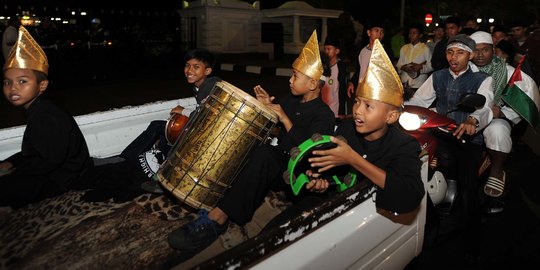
x,y
432,120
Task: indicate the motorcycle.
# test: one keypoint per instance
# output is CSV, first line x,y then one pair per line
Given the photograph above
x,y
429,127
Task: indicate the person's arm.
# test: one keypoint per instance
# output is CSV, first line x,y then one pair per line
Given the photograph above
x,y
403,190
179,110
343,154
529,87
282,116
400,180
322,122
402,60
426,67
424,96
485,114
351,86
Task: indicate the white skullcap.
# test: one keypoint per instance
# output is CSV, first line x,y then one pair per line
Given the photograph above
x,y
482,37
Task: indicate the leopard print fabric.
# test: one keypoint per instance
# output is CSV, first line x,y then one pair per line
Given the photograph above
x,y
25,228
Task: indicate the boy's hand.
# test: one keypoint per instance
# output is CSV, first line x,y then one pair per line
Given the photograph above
x,y
262,96
330,158
350,89
6,165
279,111
468,127
316,184
497,113
6,168
178,109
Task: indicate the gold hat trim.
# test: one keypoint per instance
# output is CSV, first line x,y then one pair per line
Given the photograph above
x,y
381,81
27,54
309,61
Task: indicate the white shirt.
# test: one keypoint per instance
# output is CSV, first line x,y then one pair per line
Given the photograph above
x,y
418,53
363,60
332,95
425,95
9,37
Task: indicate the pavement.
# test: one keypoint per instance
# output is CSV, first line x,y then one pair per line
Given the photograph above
x,y
509,240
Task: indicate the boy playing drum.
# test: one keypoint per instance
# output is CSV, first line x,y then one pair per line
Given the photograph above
x,y
300,115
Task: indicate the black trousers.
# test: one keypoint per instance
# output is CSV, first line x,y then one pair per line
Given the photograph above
x,y
264,168
144,142
463,163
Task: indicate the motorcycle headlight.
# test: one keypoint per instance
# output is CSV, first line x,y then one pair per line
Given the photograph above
x,y
410,121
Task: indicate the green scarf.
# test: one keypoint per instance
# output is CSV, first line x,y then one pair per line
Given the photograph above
x,y
497,70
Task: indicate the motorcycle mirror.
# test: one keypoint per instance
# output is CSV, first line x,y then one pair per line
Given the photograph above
x,y
472,101
469,103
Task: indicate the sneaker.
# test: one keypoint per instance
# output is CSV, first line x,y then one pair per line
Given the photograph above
x,y
495,206
152,187
197,234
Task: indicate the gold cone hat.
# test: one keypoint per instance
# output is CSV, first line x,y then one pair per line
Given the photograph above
x,y
27,54
309,60
381,81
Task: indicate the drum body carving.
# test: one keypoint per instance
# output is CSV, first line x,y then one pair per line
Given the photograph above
x,y
214,146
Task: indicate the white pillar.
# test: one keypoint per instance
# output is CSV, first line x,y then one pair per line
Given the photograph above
x,y
324,30
296,29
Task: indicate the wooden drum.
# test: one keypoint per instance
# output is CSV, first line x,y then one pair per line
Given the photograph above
x,y
214,145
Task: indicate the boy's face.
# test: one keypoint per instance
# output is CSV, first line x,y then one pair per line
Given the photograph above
x,y
458,59
500,53
331,51
301,84
21,87
196,72
498,36
371,117
375,33
518,32
483,54
452,29
414,35
438,33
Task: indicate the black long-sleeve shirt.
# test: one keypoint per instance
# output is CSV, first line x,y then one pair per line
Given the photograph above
x,y
53,146
397,153
307,118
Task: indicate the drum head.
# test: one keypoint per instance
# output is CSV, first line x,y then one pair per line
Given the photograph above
x,y
235,91
174,126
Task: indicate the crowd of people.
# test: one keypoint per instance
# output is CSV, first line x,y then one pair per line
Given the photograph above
x,y
364,107
462,58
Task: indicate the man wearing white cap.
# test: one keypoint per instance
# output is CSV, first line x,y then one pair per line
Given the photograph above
x,y
497,133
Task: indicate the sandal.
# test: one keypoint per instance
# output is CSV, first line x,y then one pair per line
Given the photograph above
x,y
495,187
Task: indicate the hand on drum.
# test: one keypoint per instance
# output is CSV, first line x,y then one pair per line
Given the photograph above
x,y
316,184
262,96
178,109
330,158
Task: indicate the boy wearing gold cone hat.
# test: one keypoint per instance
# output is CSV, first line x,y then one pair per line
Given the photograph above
x,y
54,152
374,146
300,114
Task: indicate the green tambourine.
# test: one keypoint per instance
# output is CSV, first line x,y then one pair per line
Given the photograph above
x,y
298,165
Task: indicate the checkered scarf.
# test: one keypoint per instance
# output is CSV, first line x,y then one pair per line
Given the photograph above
x,y
497,70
